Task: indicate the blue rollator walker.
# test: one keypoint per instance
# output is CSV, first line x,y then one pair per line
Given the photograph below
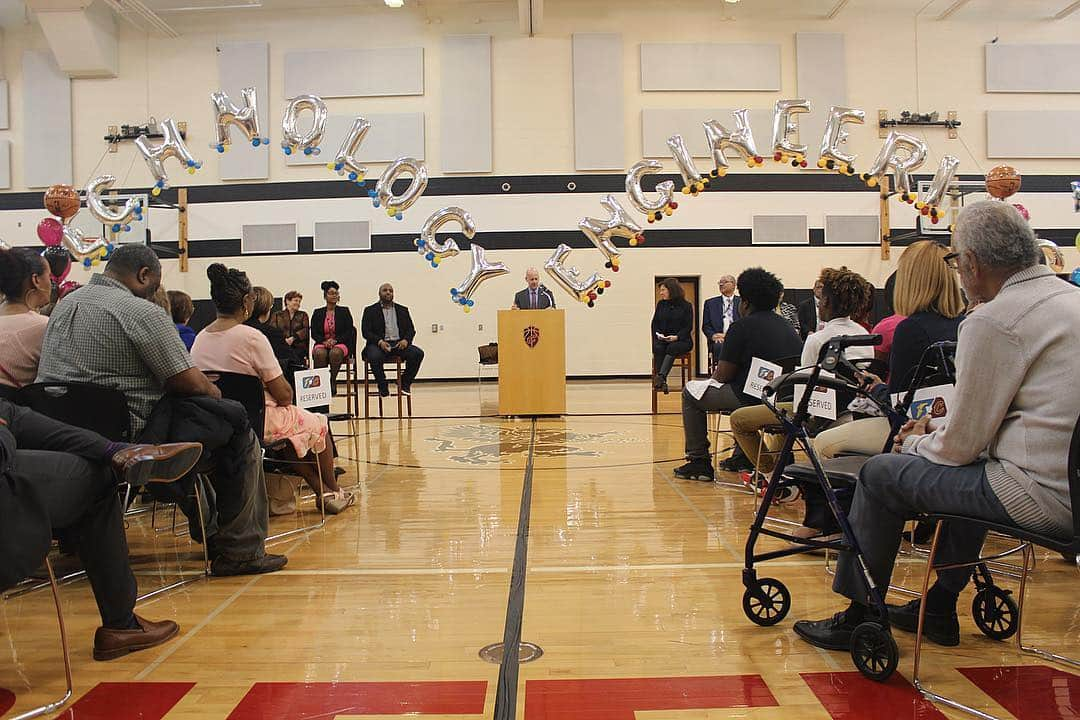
x,y
766,601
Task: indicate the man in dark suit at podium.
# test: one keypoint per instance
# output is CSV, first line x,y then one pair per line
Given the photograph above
x,y
388,329
535,296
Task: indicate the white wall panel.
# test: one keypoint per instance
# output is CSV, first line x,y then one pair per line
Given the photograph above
x,y
1035,68
821,76
242,65
333,73
710,66
1033,134
46,145
466,117
392,135
599,129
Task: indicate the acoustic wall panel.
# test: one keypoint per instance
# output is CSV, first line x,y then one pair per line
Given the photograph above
x,y
1032,133
657,125
1032,68
355,73
710,66
599,129
5,164
242,65
340,236
821,79
780,230
5,122
392,135
852,230
46,121
465,120
256,239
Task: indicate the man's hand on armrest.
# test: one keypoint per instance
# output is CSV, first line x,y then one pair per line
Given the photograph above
x,y
191,382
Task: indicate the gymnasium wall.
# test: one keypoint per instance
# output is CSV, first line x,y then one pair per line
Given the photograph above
x,y
891,62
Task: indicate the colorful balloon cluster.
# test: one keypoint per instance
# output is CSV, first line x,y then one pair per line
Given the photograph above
x,y
63,202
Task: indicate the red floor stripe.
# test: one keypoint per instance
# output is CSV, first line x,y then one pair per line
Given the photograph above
x,y
850,696
293,701
1030,692
128,701
618,699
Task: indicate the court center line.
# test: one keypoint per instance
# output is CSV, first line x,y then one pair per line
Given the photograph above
x,y
507,686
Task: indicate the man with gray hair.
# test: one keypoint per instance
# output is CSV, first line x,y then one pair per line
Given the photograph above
x,y
719,313
1000,455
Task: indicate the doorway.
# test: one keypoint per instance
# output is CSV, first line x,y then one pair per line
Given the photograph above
x,y
690,288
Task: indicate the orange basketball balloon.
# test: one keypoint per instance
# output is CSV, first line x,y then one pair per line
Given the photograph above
x,y
62,201
1002,181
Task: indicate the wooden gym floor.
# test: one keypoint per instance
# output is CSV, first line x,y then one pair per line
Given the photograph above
x,y
633,591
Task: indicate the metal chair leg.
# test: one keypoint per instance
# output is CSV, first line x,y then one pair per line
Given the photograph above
x,y
197,485
56,704
321,503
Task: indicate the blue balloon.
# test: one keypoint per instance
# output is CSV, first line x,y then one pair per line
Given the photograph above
x,y
375,203
116,227
352,176
453,291
255,142
127,228
371,193
463,300
307,151
470,303
399,216
288,151
429,256
1075,277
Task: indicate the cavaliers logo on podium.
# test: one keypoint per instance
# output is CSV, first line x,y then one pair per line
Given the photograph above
x,y
532,336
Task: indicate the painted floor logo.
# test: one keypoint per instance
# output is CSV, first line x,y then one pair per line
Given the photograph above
x,y
490,445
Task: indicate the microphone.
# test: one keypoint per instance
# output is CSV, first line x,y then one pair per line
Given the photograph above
x,y
551,298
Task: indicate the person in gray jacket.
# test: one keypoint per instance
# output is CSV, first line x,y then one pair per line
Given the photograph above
x,y
1001,453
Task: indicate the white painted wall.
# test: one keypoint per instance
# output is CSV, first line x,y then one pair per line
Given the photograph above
x,y
533,134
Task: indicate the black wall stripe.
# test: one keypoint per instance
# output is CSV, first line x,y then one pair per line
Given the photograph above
x,y
548,239
809,181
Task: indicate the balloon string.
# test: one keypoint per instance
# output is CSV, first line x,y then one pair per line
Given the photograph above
x,y
960,137
93,173
134,156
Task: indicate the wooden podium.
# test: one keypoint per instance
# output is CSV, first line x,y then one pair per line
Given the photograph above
x,y
532,362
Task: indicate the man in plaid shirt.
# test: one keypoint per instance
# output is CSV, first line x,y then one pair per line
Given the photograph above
x,y
108,333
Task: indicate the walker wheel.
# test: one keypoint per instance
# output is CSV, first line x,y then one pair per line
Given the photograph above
x,y
995,612
767,603
874,651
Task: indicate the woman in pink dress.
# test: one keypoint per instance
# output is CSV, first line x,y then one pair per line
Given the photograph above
x,y
24,282
227,345
333,333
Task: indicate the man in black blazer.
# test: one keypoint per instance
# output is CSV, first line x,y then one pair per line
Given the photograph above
x,y
67,483
808,312
388,330
535,296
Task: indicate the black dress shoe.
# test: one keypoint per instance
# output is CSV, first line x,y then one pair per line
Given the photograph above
x,y
384,390
736,464
938,628
664,387
224,567
831,634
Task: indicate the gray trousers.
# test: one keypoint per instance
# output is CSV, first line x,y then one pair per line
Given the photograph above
x,y
695,417
895,488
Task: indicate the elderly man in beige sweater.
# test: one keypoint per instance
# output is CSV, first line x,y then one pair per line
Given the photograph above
x,y
1001,455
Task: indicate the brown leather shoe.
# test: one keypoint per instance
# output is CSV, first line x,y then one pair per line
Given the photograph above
x,y
111,644
140,464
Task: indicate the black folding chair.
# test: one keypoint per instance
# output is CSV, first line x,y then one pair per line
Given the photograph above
x,y
992,607
104,411
248,391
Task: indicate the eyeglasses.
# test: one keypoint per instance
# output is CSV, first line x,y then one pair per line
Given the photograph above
x,y
952,260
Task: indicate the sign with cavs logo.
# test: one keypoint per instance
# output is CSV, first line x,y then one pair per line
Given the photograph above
x,y
532,336
312,388
932,402
762,372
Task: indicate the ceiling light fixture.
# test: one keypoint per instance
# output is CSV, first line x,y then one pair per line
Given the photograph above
x,y
731,2
394,3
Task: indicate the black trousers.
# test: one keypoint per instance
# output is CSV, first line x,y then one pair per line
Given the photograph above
x,y
660,349
412,355
67,466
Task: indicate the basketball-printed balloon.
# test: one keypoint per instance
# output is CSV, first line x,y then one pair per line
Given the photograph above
x,y
1002,181
62,201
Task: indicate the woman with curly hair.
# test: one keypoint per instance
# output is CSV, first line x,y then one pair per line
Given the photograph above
x,y
228,345
845,297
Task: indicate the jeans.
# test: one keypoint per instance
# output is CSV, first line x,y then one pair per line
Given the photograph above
x,y
895,488
696,418
375,356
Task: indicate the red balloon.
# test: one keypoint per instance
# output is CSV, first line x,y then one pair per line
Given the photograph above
x,y
1023,211
50,231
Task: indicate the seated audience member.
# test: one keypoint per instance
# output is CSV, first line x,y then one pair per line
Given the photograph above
x,y
24,281
927,295
259,319
672,330
1001,452
294,324
789,312
229,344
760,333
67,481
718,313
181,308
842,294
388,331
334,333
106,333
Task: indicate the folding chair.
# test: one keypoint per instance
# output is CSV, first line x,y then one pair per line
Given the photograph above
x,y
992,607
104,411
248,391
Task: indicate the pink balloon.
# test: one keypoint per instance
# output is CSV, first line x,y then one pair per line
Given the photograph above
x,y
1023,211
50,231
